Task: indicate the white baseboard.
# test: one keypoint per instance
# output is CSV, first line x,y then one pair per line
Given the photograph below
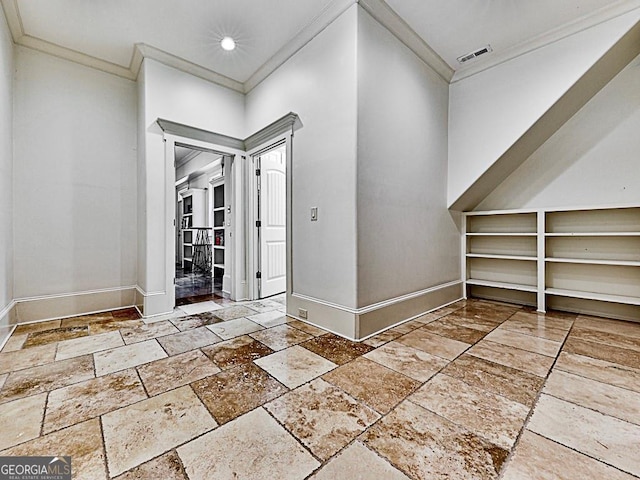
x,y
360,323
51,307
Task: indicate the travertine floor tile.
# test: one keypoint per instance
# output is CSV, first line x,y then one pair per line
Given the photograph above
x,y
557,320
30,357
295,365
613,339
477,323
406,327
525,342
513,357
169,373
55,335
382,338
164,467
537,458
104,326
269,319
486,414
268,452
262,306
476,309
125,314
434,344
628,329
188,340
236,351
322,417
234,328
200,308
600,370
426,446
555,334
513,384
47,377
371,383
195,321
84,320
141,431
600,436
236,391
14,343
231,313
357,462
615,401
456,332
21,419
601,351
128,356
82,401
307,328
280,337
90,344
82,442
407,360
336,349
147,332
36,327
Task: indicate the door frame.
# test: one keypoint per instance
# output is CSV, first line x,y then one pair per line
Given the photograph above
x,y
253,244
233,171
253,235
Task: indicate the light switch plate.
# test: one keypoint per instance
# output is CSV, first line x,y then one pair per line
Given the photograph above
x,y
314,214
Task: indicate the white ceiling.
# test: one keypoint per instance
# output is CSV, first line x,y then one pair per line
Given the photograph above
x,y
268,31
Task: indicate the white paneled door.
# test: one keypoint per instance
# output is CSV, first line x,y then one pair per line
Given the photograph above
x,y
273,215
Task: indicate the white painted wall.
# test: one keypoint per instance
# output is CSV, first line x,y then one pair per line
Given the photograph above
x,y
594,159
319,84
74,177
6,164
173,95
489,111
407,239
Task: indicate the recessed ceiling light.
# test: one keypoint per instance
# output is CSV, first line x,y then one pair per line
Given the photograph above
x,y
228,43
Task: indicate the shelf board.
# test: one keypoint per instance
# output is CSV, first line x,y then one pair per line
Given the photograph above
x,y
220,247
218,209
187,244
218,265
594,234
502,234
586,261
604,297
508,286
188,259
221,227
501,257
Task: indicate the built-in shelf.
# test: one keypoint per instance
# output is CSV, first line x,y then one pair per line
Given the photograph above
x,y
501,257
580,260
499,234
508,286
586,261
593,296
594,234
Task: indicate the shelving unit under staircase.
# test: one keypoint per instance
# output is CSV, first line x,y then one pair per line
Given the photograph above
x,y
581,260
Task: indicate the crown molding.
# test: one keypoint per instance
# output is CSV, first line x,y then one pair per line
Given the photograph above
x,y
386,16
378,9
147,51
334,10
596,18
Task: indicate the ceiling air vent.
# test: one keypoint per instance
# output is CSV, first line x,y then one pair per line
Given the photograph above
x,y
477,53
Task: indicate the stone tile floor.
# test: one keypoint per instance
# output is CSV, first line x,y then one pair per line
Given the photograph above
x,y
475,390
